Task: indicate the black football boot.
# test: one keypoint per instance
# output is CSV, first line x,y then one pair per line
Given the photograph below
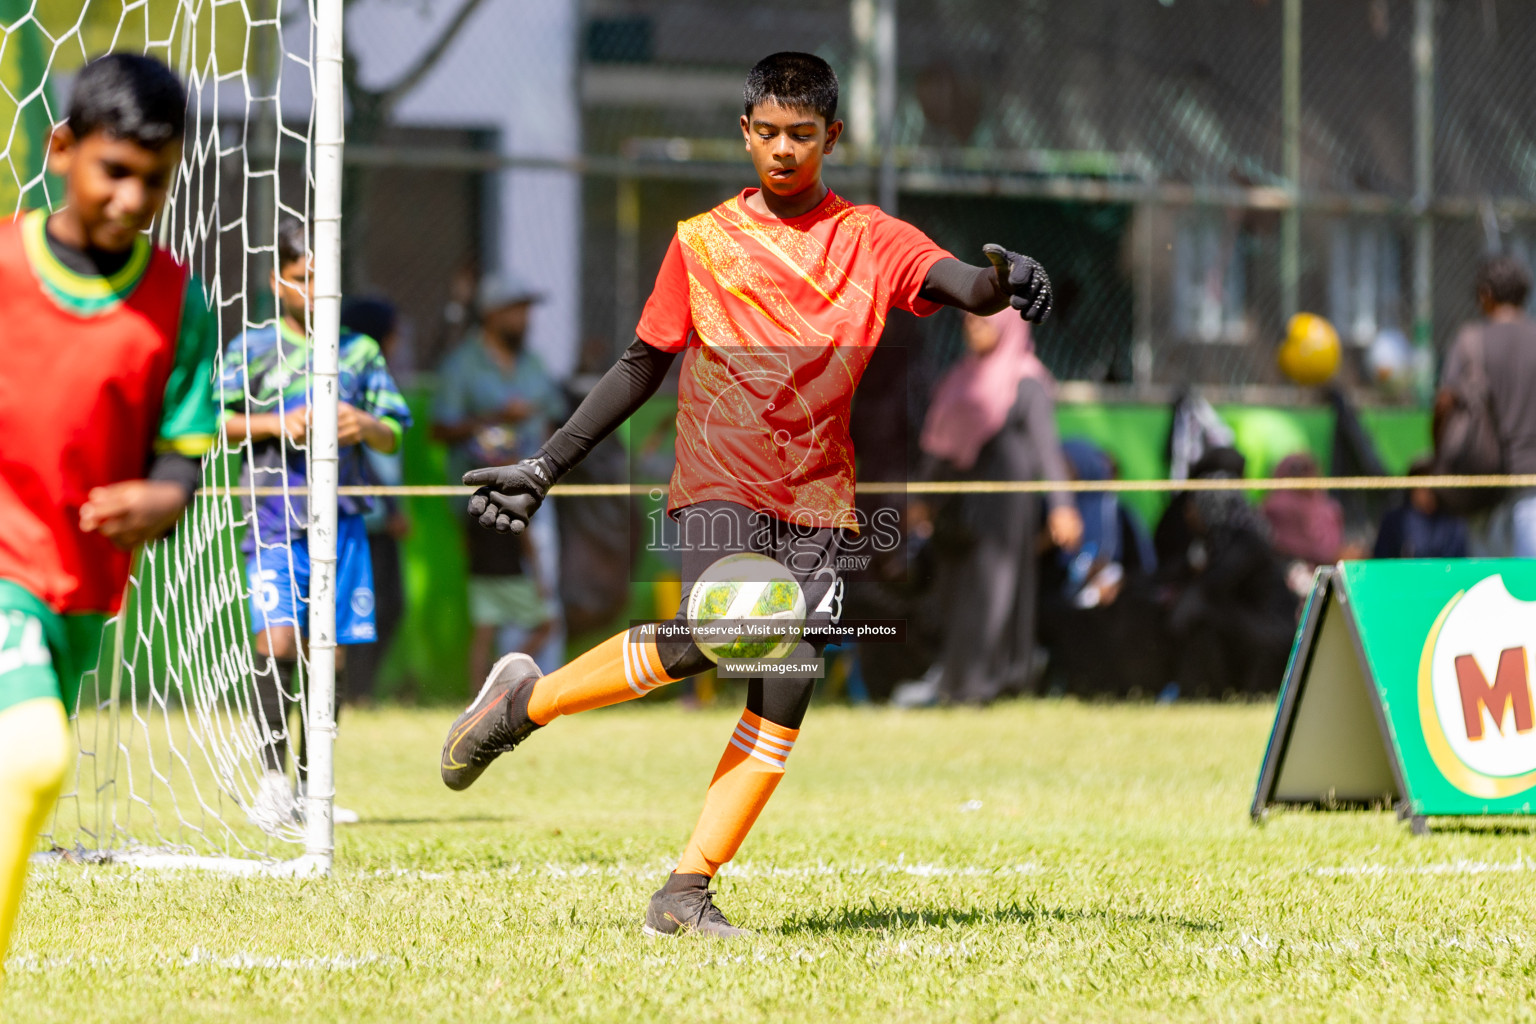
x,y
686,904
495,723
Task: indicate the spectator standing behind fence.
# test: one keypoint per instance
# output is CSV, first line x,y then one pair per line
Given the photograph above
x,y
1307,527
265,391
496,404
992,418
1501,351
386,521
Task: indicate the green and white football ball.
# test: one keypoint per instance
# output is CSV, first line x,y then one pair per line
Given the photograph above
x,y
746,606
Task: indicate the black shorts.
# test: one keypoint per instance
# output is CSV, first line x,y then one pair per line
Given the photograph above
x,y
711,530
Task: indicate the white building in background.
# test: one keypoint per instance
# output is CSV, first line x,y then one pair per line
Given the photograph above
x,y
513,70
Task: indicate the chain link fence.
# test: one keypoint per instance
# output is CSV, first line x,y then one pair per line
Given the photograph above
x,y
1145,150
1190,171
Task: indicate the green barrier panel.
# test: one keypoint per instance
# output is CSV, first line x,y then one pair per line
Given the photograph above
x,y
1409,686
430,652
1267,434
1136,437
429,655
1400,435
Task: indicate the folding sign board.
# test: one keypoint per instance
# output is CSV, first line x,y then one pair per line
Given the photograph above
x,y
1409,685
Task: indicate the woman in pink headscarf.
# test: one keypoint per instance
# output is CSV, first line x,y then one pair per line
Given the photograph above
x,y
974,398
993,418
1308,526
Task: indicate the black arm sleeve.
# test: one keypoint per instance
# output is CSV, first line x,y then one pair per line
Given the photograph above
x,y
973,289
178,469
622,390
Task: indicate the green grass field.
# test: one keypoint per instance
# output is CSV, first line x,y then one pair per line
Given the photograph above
x,y
1038,861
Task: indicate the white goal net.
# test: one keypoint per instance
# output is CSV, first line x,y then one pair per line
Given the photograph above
x,y
176,737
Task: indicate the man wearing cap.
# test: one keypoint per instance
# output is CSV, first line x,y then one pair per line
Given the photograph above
x,y
497,404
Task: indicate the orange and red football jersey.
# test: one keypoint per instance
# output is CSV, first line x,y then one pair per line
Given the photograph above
x,y
779,319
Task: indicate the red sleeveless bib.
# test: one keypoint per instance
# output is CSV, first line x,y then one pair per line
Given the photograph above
x,y
80,405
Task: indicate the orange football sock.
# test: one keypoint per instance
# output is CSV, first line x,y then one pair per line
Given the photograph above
x,y
620,668
748,773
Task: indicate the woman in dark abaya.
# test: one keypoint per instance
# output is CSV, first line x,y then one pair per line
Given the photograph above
x,y
1100,616
1230,613
992,418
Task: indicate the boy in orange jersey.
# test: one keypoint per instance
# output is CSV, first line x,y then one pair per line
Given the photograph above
x,y
776,299
106,408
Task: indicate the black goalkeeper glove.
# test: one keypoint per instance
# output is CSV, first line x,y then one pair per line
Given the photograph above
x,y
509,495
1024,280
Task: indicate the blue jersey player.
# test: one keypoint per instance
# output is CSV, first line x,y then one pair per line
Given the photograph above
x,y
265,391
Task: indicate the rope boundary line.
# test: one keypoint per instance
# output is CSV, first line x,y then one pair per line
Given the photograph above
x,y
1337,483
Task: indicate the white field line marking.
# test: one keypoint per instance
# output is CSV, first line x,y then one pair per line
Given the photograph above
x,y
237,867
1456,867
904,949
32,964
202,958
410,873
917,869
748,869
138,873
245,961
798,956
1249,945
151,868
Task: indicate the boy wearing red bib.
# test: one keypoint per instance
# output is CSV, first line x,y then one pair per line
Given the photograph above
x,y
106,409
775,300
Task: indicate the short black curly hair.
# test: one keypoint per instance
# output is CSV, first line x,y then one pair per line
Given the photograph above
x,y
1504,279
801,80
292,241
128,96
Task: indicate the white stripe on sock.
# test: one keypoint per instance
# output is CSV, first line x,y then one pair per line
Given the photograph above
x,y
656,678
772,762
758,737
637,670
629,669
771,750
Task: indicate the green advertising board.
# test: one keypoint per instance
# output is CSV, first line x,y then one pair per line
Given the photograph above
x,y
1409,687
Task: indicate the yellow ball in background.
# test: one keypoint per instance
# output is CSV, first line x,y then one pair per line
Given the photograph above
x,y
1310,353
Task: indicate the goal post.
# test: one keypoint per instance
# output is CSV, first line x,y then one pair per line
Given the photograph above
x,y
325,455
176,723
